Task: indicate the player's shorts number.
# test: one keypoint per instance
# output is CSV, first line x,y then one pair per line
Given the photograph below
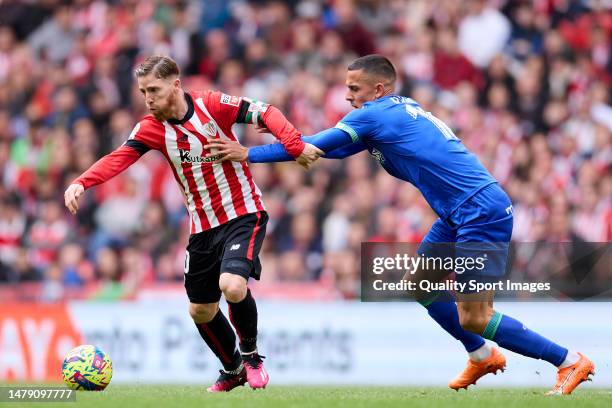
x,y
186,262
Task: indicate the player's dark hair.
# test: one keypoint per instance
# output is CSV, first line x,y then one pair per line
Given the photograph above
x,y
158,65
375,64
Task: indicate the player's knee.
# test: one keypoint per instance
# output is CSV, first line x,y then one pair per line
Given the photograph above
x,y
235,292
473,322
234,287
203,312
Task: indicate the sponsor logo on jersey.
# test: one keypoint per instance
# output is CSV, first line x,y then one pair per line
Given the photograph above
x,y
186,157
230,100
235,247
256,106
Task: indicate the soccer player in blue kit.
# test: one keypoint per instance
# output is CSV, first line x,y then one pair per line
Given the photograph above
x,y
415,146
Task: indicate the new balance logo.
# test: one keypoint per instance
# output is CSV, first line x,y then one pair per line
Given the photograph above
x,y
509,210
235,247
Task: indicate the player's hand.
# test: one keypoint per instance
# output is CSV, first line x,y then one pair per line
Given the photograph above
x,y
310,154
227,150
71,197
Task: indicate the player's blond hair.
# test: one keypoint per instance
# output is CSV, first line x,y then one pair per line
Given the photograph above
x,y
158,65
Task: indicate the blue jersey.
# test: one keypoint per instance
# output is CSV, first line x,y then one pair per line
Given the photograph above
x,y
413,145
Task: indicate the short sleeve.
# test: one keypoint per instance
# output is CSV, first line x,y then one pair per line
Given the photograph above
x,y
224,108
358,124
147,134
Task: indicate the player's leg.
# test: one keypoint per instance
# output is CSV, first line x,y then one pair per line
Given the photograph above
x,y
483,359
491,360
202,285
441,305
218,334
469,218
242,309
488,228
480,317
240,260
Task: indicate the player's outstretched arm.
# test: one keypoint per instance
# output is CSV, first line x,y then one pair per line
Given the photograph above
x,y
345,151
231,150
336,142
102,170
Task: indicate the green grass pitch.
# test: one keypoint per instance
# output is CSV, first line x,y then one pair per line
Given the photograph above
x,y
134,396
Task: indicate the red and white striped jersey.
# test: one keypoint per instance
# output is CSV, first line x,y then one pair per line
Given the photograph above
x,y
215,193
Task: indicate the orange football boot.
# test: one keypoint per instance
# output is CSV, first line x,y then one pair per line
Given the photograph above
x,y
569,378
474,370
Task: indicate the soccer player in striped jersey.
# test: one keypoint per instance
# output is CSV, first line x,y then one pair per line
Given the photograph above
x,y
227,213
475,214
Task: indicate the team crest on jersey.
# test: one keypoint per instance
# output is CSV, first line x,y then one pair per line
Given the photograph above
x,y
210,130
378,156
230,100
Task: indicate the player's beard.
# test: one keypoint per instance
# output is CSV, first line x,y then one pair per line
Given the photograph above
x,y
160,114
163,114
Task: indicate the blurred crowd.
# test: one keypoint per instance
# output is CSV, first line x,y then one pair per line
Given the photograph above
x,y
524,84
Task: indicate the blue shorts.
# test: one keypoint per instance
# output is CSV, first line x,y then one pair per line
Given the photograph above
x,y
479,229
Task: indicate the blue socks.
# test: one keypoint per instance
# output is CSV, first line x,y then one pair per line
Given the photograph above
x,y
509,333
444,312
512,335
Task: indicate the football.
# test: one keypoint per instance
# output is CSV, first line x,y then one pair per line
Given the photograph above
x,y
87,368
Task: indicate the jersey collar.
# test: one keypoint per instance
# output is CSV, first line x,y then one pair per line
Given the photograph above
x,y
382,98
189,113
